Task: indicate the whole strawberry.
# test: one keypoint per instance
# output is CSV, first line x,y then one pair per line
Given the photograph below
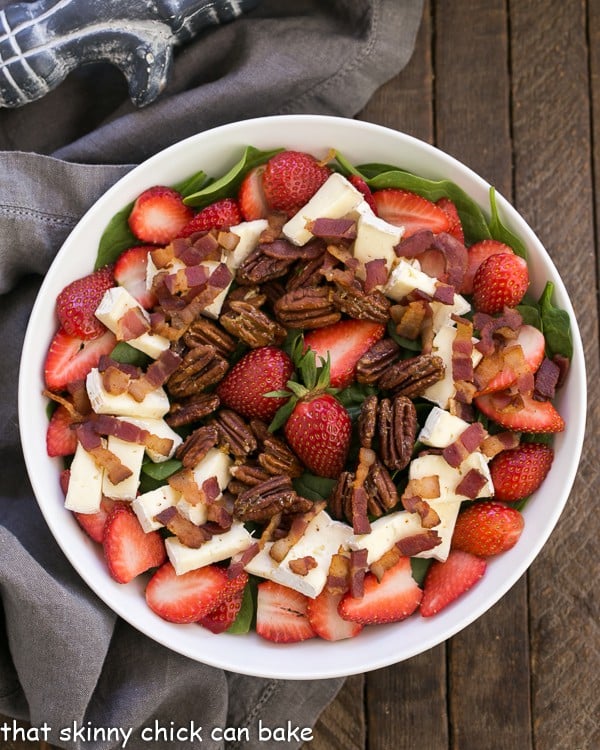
x,y
78,301
290,180
487,528
518,472
500,281
221,214
258,372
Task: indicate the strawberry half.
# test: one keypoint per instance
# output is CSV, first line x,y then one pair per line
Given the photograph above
x,y
392,599
158,215
188,597
487,528
290,180
61,439
455,228
130,272
221,214
70,358
446,581
411,211
281,614
345,342
500,281
128,550
251,196
325,619
94,523
518,472
76,305
535,416
532,342
477,253
224,614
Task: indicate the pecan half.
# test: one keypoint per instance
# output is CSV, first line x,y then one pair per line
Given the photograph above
x,y
367,421
376,360
251,325
203,332
277,458
249,474
411,377
258,268
307,308
340,500
197,444
234,433
397,429
356,303
200,368
192,410
382,492
250,294
264,500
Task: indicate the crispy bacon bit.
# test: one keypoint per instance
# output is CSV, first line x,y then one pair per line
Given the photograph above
x,y
221,277
563,364
360,497
444,293
105,362
342,229
409,318
415,245
238,562
104,458
302,565
161,256
203,247
358,568
211,489
462,350
546,379
416,504
187,532
456,256
115,381
505,326
417,543
471,484
299,525
228,240
427,332
184,482
344,255
467,442
133,324
219,515
157,374
268,533
501,441
74,413
385,562
427,488
487,369
338,576
376,274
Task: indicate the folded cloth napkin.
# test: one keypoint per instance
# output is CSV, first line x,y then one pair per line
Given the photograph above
x,y
66,662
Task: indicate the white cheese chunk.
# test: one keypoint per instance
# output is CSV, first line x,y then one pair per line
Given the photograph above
x,y
448,513
197,514
154,405
450,478
84,494
405,278
161,429
214,309
217,464
376,238
219,547
442,313
114,304
131,456
249,233
150,504
441,428
321,540
442,391
334,199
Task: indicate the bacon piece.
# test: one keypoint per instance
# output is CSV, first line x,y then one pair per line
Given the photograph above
x,y
74,414
338,576
238,562
501,441
471,484
563,364
79,396
228,240
221,277
546,379
219,515
358,568
184,482
505,326
465,444
417,543
187,532
344,255
385,562
104,458
211,489
456,257
202,247
360,497
462,350
416,504
427,488
415,245
299,525
161,256
268,533
444,293
410,318
133,324
302,565
376,274
156,375
342,229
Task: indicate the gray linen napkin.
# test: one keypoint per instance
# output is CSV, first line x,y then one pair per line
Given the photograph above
x,y
66,661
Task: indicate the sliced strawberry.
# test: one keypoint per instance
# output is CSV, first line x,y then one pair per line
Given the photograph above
x,y
411,211
281,614
518,472
130,272
61,439
362,186
251,196
345,342
93,523
221,214
64,479
392,599
533,343
535,416
76,305
158,215
70,358
455,228
446,581
188,597
325,619
479,252
487,528
128,550
223,615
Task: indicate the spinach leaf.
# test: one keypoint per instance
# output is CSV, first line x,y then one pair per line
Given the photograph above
x,y
116,237
345,167
128,355
313,487
355,394
162,470
230,182
502,233
556,325
531,315
419,567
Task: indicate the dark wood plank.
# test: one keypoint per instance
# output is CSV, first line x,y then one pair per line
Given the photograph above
x,y
342,724
554,191
489,661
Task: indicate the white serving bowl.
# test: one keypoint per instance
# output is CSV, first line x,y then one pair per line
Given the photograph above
x,y
215,152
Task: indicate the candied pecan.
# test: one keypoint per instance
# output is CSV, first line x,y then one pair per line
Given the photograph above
x,y
397,428
204,332
252,326
249,474
282,249
340,500
234,433
310,273
264,500
307,308
356,303
382,492
411,377
273,290
376,360
250,294
200,368
277,458
367,420
192,410
258,268
197,444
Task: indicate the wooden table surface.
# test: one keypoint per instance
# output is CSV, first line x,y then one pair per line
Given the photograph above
x,y
512,90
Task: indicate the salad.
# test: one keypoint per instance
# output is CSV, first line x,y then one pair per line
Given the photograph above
x,y
304,397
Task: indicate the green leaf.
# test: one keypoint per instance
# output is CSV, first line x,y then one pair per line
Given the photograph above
x,y
229,183
116,237
313,487
545,438
355,394
345,167
283,414
502,233
419,566
162,470
556,325
531,315
128,355
192,184
243,621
